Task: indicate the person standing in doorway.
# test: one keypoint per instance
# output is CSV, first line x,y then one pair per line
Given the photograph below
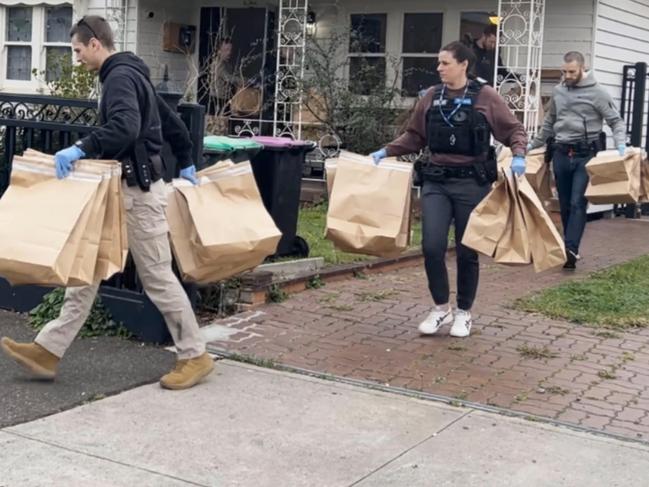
x,y
454,122
131,132
223,81
578,108
484,48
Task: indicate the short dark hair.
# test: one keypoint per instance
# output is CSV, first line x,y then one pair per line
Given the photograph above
x,y
490,30
90,26
571,56
461,53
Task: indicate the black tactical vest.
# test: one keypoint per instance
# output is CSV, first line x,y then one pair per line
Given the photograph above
x,y
454,126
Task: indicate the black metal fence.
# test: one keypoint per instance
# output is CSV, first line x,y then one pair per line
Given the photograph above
x,y
44,123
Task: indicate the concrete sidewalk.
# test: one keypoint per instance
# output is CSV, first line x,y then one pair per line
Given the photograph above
x,y
248,426
366,329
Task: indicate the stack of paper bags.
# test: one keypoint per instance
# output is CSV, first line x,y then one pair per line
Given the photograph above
x,y
537,171
615,179
369,204
67,232
511,225
220,227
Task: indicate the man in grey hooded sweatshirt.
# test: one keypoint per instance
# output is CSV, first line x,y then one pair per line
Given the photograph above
x,y
578,108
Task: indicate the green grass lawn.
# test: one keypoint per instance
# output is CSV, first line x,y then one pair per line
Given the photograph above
x,y
614,298
311,227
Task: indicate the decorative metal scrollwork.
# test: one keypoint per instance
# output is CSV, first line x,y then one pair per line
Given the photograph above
x,y
38,109
520,42
291,45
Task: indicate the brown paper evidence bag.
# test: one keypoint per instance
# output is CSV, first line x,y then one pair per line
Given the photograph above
x,y
67,232
369,204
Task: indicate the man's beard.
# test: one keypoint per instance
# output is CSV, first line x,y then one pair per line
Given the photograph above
x,y
574,82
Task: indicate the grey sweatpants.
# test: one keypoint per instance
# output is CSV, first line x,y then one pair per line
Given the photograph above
x,y
147,230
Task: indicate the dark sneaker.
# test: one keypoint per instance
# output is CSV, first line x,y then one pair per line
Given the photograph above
x,y
571,260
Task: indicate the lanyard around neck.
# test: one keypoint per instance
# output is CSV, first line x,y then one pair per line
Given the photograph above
x,y
448,118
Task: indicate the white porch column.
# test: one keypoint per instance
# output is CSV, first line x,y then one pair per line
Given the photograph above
x,y
520,44
116,12
291,41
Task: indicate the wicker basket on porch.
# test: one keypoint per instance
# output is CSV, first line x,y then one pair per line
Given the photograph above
x,y
246,102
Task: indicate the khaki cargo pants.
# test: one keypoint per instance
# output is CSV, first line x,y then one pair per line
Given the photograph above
x,y
149,245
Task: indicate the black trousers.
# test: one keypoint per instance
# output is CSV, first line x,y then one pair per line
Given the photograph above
x,y
452,200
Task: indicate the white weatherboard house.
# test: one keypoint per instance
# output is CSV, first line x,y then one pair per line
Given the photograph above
x,y
533,36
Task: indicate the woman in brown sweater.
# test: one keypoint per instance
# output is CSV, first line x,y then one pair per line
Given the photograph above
x,y
454,122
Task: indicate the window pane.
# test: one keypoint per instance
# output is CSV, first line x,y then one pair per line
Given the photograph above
x,y
56,58
19,24
19,62
368,33
58,22
366,74
422,33
418,73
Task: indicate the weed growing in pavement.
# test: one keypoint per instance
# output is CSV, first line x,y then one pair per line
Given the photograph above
x,y
579,357
521,397
276,294
537,353
378,295
607,334
259,362
627,357
341,307
315,282
456,348
607,374
360,275
555,390
533,419
328,298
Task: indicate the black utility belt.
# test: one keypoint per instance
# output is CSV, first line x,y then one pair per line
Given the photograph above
x,y
446,171
578,147
483,172
142,172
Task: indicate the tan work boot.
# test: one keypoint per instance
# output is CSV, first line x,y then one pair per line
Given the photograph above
x,y
188,372
35,359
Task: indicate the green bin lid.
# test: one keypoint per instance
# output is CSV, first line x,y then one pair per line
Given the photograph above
x,y
222,143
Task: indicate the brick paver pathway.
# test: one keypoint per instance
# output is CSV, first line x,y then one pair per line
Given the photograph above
x,y
367,329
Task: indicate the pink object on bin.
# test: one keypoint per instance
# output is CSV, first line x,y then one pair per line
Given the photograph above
x,y
279,142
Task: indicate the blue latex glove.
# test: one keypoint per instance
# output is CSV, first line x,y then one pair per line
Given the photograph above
x,y
621,149
189,173
529,147
518,165
378,155
64,160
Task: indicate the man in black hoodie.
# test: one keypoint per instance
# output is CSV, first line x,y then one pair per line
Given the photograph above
x,y
484,49
133,120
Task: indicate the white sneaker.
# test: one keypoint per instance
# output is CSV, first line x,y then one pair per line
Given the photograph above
x,y
440,316
462,324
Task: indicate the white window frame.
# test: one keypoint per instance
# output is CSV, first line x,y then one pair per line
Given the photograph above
x,y
383,54
45,44
404,55
37,44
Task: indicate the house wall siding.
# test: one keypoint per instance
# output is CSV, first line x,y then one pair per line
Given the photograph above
x,y
568,25
621,38
98,7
